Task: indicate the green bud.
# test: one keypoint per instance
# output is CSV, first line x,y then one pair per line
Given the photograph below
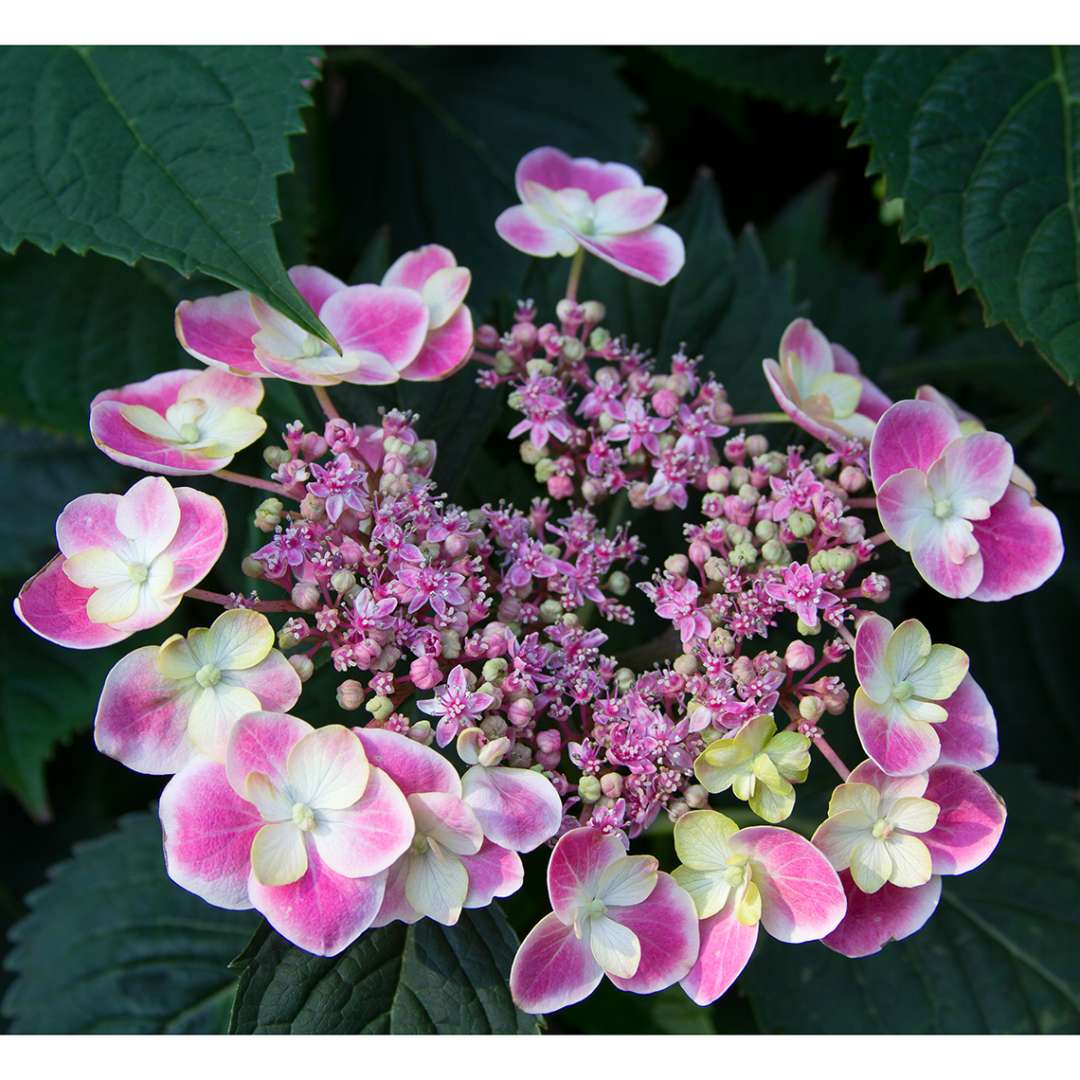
x,y
589,789
572,349
504,362
598,339
801,524
494,669
618,583
342,581
743,555
624,679
550,611
380,707
538,367
276,456
531,453
765,530
252,568
775,553
715,568
808,631
737,534
544,471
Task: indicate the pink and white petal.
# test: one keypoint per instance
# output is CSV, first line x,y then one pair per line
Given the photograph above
x,y
553,968
148,514
395,907
389,322
314,285
328,769
199,540
969,736
910,435
413,767
142,717
493,871
444,292
973,473
437,884
517,808
1021,546
905,506
157,393
778,384
273,681
555,169
89,522
444,352
324,369
801,896
575,866
933,544
891,787
726,945
929,393
221,388
54,607
120,440
524,228
628,210
208,831
323,912
412,270
873,401
260,743
810,347
666,925
871,640
655,254
447,819
897,744
369,836
218,330
874,919
370,369
969,824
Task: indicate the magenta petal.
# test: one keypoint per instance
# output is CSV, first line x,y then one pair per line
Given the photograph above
x,y
931,557
273,681
127,445
199,540
875,919
54,607
801,896
969,737
897,744
556,170
775,379
871,639
370,835
157,393
260,743
910,435
493,871
726,945
445,351
395,907
388,322
1020,544
517,808
323,912
969,824
810,345
413,767
88,522
655,254
552,968
314,285
208,831
142,716
218,330
666,925
575,865
523,228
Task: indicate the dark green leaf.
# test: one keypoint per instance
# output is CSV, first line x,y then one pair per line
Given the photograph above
x,y
419,980
1001,955
112,945
981,144
437,133
169,153
795,76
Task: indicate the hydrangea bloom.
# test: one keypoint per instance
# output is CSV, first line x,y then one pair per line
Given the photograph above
x,y
296,823
612,914
125,563
948,498
179,423
819,385
160,706
968,819
383,330
904,684
740,877
572,203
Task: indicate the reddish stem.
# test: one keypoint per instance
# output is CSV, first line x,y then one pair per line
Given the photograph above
x,y
227,601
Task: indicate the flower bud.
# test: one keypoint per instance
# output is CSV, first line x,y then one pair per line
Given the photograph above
x,y
312,508
678,565
721,642
799,656
520,712
697,798
342,581
306,596
806,629
469,743
268,515
718,478
252,568
618,583
611,784
491,754
801,524
538,367
589,789
875,587
677,808
593,312
493,670
550,611
739,476
811,708
350,695
625,679
520,756
424,672
532,454
685,665
504,363
380,707
303,667
276,456
743,555
756,445
775,553
765,530
716,569
451,644
422,732
560,487
852,479
742,668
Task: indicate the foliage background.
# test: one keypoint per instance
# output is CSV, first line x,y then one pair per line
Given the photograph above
x,y
408,146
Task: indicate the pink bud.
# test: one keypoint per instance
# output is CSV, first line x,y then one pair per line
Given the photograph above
x,y
424,672
524,334
521,712
560,487
852,479
456,545
351,552
699,552
487,337
665,402
799,656
718,478
548,742
875,587
611,784
306,596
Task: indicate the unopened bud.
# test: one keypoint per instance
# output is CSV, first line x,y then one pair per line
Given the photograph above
x,y
303,667
268,515
342,581
380,707
811,708
765,530
756,445
624,679
451,644
685,664
350,695
306,596
799,656
618,583
697,798
252,568
422,732
775,553
801,524
520,712
679,565
852,479
589,789
493,752
276,456
494,670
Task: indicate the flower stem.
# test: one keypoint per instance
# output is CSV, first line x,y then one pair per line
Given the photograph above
x,y
830,755
227,601
575,275
863,504
759,418
322,396
252,482
878,539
